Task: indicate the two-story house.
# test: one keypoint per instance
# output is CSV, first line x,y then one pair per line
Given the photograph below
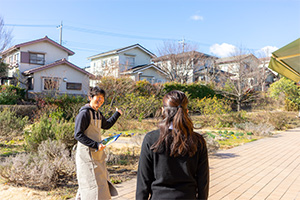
x,y
269,76
232,64
133,61
184,67
245,67
42,65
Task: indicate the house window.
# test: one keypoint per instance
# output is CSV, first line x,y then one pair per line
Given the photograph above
x,y
130,61
74,86
16,58
30,83
10,59
113,61
104,63
36,58
50,83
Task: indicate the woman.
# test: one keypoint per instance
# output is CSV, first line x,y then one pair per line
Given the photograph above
x,y
173,162
91,169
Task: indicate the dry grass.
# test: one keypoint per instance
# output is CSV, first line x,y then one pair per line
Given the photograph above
x,y
133,126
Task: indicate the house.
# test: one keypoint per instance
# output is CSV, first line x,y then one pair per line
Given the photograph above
x,y
254,69
42,66
133,61
270,75
211,74
184,67
149,72
232,64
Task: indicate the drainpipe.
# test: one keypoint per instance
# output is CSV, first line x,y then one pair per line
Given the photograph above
x,y
139,76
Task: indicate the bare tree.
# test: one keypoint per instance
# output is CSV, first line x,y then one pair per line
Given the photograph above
x,y
5,35
5,39
3,69
264,57
210,72
179,61
240,81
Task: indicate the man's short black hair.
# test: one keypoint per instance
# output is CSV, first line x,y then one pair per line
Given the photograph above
x,y
94,91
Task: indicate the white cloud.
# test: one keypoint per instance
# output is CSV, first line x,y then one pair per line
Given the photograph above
x,y
265,51
222,50
197,18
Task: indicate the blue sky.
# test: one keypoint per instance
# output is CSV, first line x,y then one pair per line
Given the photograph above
x,y
94,26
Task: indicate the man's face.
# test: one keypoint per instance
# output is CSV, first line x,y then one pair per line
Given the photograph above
x,y
97,101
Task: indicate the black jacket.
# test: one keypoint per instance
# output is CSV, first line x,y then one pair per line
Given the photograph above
x,y
82,122
163,177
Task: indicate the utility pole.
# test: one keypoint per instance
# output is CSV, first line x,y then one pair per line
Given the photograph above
x,y
183,43
60,32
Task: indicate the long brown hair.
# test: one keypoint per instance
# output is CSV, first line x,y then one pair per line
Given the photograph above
x,y
176,129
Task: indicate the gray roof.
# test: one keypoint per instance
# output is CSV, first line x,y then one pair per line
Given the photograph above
x,y
184,54
233,59
116,51
139,68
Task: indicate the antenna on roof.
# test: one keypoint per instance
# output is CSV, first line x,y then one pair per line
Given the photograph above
x,y
60,32
183,43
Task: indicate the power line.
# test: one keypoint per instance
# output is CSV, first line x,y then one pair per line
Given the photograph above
x,y
114,34
30,25
97,32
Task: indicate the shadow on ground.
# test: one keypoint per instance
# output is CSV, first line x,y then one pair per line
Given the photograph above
x,y
224,155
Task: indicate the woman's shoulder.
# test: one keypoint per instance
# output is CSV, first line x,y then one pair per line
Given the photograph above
x,y
152,136
200,135
200,138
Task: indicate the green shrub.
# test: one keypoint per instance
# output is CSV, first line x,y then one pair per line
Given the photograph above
x,y
209,106
49,128
21,110
145,88
69,105
64,132
10,94
10,124
196,90
290,105
39,132
140,107
141,99
289,89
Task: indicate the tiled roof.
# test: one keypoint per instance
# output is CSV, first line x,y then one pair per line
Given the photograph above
x,y
189,53
142,67
44,39
122,49
56,63
233,59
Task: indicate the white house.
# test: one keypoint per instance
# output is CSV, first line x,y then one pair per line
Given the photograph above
x,y
149,72
133,61
270,75
232,64
259,76
184,67
42,65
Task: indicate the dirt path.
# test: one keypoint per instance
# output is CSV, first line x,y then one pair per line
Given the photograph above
x,y
15,193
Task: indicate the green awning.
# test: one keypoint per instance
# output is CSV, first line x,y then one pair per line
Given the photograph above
x,y
286,61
